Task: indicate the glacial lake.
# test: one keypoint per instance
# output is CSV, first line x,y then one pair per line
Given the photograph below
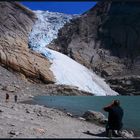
x,y
77,105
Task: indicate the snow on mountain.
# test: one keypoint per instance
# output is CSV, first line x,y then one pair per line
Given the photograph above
x,y
66,70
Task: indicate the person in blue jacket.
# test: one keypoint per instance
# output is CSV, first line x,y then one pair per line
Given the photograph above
x,y
115,115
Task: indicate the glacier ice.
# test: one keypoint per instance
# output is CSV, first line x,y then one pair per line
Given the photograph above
x,y
46,27
66,70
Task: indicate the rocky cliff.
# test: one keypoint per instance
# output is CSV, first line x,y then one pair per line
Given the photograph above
x,y
16,22
106,39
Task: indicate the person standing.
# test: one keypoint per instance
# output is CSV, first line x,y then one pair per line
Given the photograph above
x,y
15,97
7,97
115,115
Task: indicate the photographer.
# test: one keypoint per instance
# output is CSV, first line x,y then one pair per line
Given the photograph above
x,y
114,118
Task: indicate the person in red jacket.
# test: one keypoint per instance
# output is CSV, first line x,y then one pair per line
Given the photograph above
x,y
7,97
115,115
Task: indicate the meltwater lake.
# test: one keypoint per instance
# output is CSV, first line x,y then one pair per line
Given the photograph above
x,y
77,105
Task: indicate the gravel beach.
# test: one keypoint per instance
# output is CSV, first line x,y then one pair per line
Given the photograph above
x,y
34,121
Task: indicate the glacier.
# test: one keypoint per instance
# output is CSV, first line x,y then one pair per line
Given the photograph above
x,y
46,27
66,70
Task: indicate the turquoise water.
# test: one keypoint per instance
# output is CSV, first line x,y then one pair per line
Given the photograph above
x,y
77,105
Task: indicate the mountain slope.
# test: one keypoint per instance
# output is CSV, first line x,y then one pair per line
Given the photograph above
x,y
16,22
65,70
106,39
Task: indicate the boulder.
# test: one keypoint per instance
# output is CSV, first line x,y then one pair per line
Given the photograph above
x,y
127,134
40,130
81,118
9,88
69,114
13,132
94,116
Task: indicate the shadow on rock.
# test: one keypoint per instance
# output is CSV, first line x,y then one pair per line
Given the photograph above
x,y
102,134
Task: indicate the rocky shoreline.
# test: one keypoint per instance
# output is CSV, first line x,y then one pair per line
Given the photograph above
x,y
90,116
25,120
20,120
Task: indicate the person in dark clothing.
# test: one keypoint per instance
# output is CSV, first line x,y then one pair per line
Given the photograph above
x,y
114,117
15,98
7,97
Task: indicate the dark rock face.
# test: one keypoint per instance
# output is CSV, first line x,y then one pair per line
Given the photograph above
x,y
105,39
126,85
16,22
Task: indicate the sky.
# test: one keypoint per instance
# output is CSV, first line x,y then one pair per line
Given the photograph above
x,y
62,7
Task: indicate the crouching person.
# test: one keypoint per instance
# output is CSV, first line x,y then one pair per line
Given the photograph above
x,y
115,115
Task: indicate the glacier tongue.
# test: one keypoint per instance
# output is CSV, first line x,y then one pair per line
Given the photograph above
x,y
66,70
69,72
